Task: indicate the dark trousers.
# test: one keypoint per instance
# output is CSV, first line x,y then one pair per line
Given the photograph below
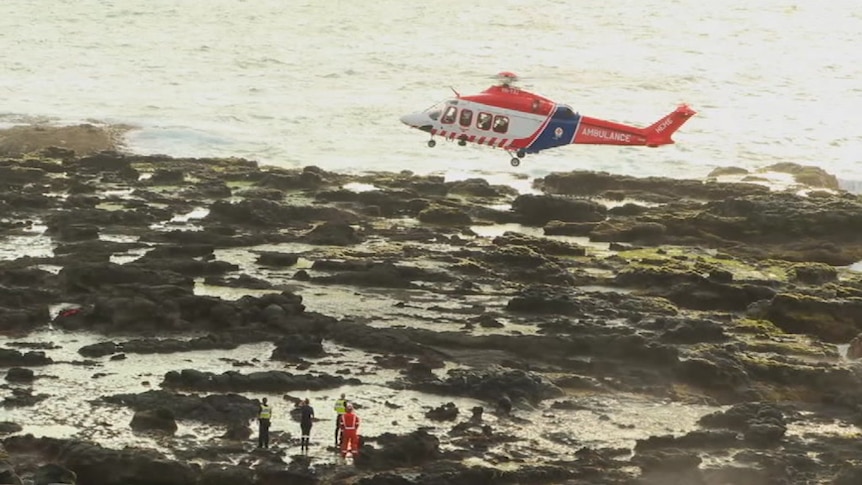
x,y
263,433
338,430
306,433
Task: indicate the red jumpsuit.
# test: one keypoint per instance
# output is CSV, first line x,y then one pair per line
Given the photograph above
x,y
349,433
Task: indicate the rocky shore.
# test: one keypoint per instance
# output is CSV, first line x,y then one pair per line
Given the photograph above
x,y
540,308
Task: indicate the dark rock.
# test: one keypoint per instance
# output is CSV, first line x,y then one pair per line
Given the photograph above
x,y
237,431
446,216
276,259
14,358
8,475
214,408
294,346
813,273
216,474
95,465
20,374
445,412
265,381
53,474
834,321
332,233
538,210
160,419
8,427
396,451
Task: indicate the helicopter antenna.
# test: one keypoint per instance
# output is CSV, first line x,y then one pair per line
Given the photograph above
x,y
457,94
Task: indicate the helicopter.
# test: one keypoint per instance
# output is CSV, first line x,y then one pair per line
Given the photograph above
x,y
520,122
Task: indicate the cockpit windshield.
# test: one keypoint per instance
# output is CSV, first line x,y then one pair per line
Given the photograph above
x,y
436,110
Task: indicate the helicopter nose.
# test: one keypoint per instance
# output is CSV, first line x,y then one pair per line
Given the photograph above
x,y
413,119
418,120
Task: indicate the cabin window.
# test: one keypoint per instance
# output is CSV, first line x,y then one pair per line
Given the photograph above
x,y
449,115
466,117
483,121
501,123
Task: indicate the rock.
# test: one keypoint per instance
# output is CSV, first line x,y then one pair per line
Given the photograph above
x,y
292,347
265,381
10,358
673,460
445,412
53,474
493,382
658,189
538,210
332,234
19,374
217,474
813,273
8,427
8,475
237,431
446,216
762,424
213,408
276,259
160,419
100,466
854,349
834,321
397,451
849,475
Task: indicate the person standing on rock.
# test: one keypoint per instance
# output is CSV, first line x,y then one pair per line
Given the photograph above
x,y
305,421
340,408
349,432
264,415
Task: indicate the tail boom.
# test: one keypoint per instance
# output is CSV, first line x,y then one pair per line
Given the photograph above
x,y
596,131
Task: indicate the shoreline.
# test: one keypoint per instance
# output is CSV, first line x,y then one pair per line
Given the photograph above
x,y
727,295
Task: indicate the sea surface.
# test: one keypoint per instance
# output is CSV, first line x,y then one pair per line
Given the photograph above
x,y
295,83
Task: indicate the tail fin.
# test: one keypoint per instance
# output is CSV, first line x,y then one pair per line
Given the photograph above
x,y
659,132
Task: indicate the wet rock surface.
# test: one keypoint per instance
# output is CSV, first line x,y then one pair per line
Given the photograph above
x,y
724,301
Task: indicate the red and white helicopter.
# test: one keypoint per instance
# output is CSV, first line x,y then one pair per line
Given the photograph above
x,y
520,122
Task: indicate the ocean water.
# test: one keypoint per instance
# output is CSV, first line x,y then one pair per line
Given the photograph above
x,y
324,83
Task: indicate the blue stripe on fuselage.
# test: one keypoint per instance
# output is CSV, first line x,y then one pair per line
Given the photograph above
x,y
559,131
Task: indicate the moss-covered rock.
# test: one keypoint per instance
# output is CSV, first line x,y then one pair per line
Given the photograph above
x,y
835,321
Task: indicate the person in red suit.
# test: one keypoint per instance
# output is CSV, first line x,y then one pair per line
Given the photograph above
x,y
349,432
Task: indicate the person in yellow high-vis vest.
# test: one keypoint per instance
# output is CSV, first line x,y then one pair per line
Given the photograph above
x,y
340,408
264,415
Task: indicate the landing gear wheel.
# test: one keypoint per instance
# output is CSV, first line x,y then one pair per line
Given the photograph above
x,y
432,143
521,154
462,143
515,161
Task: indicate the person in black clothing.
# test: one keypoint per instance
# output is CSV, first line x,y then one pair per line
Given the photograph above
x,y
305,421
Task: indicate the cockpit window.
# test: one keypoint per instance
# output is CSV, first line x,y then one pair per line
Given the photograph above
x,y
449,115
501,123
435,111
